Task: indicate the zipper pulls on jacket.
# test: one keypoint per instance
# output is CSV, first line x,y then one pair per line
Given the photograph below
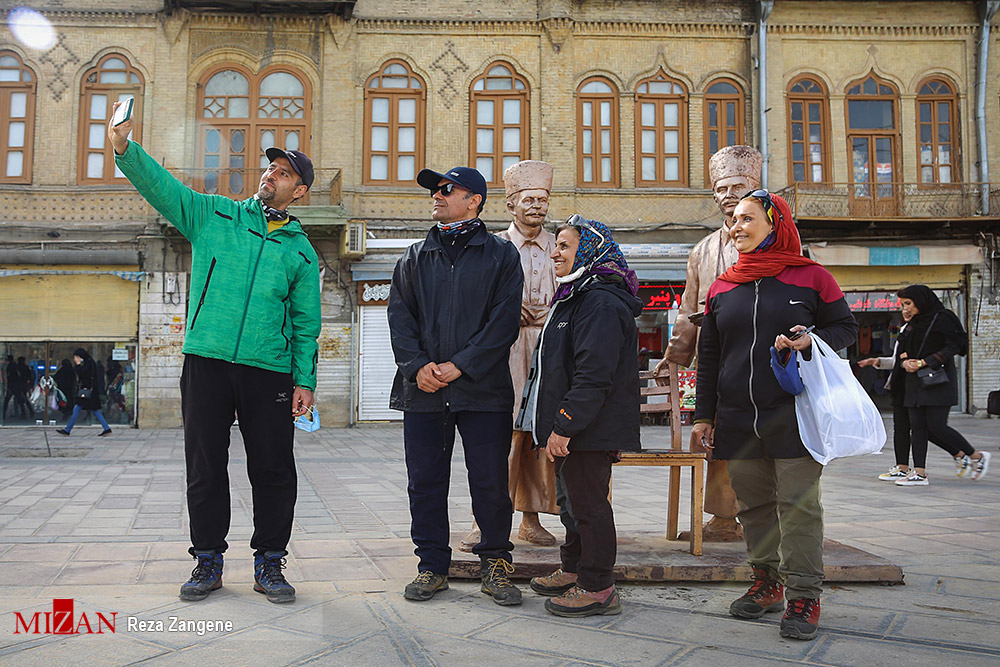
x,y
753,343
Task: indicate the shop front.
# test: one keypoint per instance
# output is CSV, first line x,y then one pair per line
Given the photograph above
x,y
51,311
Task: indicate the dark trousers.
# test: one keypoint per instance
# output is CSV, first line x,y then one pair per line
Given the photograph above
x,y
213,394
429,438
930,422
591,547
902,442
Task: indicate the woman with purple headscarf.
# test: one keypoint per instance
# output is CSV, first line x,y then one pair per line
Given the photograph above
x,y
581,403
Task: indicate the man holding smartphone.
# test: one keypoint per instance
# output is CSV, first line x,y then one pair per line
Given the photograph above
x,y
250,351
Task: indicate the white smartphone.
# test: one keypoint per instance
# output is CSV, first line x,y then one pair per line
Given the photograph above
x,y
123,112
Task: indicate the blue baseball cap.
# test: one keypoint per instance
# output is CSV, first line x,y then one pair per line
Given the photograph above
x,y
787,372
465,177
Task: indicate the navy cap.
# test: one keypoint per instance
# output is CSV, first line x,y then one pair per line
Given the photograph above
x,y
300,162
466,177
785,366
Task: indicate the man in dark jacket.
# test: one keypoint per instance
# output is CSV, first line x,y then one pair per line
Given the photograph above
x,y
454,311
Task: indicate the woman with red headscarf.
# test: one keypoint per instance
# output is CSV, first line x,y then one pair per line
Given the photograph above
x,y
743,416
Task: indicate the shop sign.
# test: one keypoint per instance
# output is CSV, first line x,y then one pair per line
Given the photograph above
x,y
660,296
872,301
373,293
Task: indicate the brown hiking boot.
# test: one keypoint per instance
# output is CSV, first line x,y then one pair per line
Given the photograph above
x,y
553,584
765,595
425,585
801,619
577,602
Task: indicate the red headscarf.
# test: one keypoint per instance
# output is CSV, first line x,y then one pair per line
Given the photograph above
x,y
784,252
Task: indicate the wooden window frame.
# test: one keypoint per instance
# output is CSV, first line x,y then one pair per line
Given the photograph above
x,y
660,155
252,126
90,86
818,96
614,152
7,90
498,96
953,122
722,127
419,95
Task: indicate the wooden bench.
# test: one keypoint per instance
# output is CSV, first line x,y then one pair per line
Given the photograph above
x,y
675,458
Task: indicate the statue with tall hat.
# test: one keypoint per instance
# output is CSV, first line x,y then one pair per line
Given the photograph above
x,y
734,171
532,483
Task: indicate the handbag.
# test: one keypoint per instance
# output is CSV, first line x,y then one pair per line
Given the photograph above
x,y
993,403
84,393
835,415
932,377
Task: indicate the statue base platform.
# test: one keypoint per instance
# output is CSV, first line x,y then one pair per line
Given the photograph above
x,y
650,557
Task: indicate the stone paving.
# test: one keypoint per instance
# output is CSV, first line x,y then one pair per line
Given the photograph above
x,y
102,521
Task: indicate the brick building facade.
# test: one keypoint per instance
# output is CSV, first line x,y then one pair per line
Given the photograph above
x,y
626,98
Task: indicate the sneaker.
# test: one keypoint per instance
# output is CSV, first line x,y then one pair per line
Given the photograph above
x,y
268,578
980,466
765,595
205,577
963,464
801,619
102,433
577,602
553,584
425,585
496,584
894,474
913,479
62,431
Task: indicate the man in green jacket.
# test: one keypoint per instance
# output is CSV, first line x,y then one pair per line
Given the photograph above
x,y
250,351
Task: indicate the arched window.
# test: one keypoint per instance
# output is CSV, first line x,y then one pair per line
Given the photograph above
x,y
873,141
661,105
242,114
114,79
499,121
597,134
808,131
17,119
724,117
394,125
937,132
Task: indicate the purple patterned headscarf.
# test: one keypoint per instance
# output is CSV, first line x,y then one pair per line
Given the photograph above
x,y
597,255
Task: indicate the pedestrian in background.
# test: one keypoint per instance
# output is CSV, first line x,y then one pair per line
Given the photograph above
x,y
87,397
582,406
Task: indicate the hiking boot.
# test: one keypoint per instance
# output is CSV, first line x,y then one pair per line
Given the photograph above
x,y
577,602
553,584
894,474
801,619
980,466
963,464
496,584
913,479
764,595
425,585
268,578
205,577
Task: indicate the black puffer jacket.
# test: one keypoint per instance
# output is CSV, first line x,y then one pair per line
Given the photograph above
x,y
468,313
588,386
736,388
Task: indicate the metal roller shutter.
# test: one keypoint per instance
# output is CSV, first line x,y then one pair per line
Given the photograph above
x,y
376,366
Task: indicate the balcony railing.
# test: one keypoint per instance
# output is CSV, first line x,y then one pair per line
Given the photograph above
x,y
865,201
240,183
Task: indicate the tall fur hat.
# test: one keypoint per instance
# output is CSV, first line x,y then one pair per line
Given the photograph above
x,y
736,161
527,175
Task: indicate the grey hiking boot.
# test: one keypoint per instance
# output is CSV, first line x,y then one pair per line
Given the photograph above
x,y
268,578
205,577
496,584
424,586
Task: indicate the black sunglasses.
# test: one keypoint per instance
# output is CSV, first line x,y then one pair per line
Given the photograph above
x,y
764,197
445,189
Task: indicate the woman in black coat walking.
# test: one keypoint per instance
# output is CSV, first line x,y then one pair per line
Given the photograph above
x,y
87,397
931,341
65,379
581,403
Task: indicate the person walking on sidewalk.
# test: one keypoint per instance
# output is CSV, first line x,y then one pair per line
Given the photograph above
x,y
931,341
454,311
86,392
582,406
250,352
746,418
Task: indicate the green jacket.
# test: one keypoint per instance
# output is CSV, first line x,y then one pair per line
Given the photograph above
x,y
254,296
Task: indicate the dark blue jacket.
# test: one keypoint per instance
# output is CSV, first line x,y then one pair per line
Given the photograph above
x,y
468,313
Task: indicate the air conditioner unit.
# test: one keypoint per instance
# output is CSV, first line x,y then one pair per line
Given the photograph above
x,y
353,240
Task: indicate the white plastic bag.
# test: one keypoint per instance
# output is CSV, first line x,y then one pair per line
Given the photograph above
x,y
836,416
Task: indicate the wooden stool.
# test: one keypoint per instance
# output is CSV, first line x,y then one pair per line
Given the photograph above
x,y
675,460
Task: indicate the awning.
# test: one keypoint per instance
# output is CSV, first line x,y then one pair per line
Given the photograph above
x,y
836,254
